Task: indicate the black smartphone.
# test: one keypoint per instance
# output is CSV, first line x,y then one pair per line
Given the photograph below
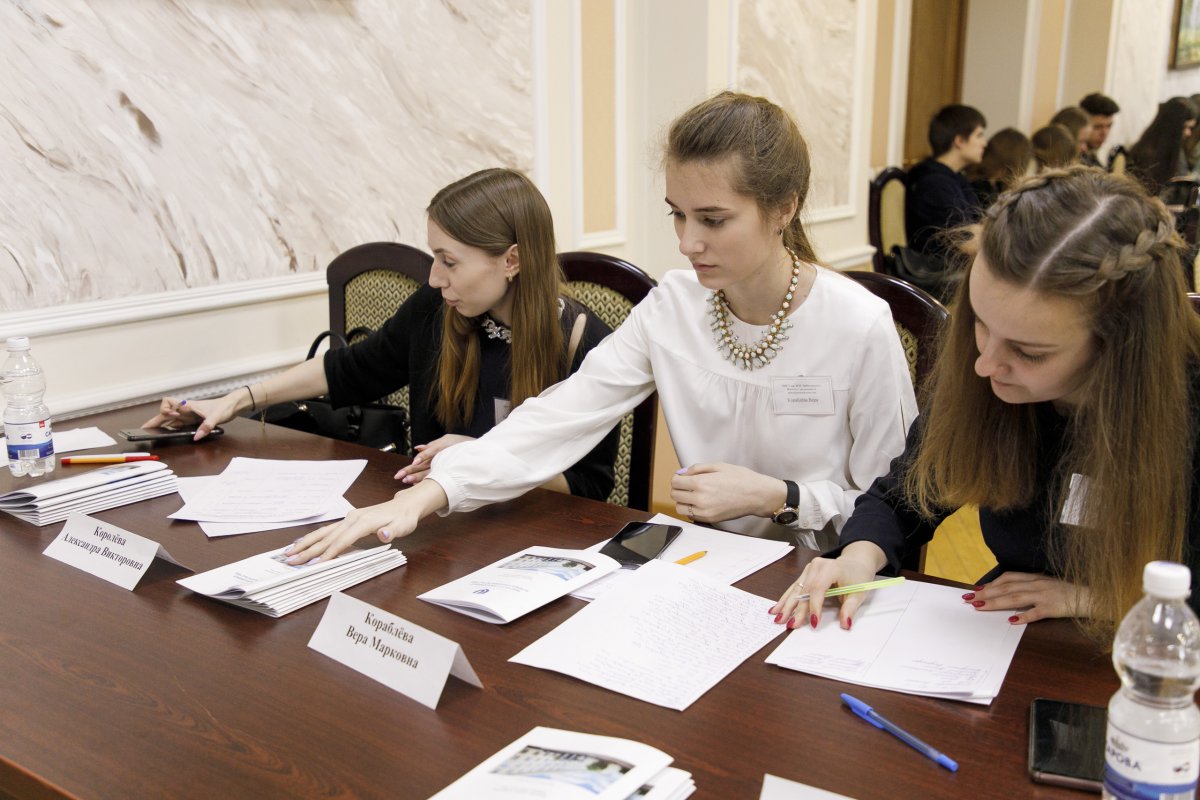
x,y
166,434
639,542
1066,743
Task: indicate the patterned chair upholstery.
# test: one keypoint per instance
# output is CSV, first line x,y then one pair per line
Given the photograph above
x,y
918,317
885,217
367,284
611,288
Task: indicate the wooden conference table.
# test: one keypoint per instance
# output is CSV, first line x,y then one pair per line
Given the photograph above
x,y
158,692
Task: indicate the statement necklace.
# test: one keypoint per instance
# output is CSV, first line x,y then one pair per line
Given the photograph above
x,y
760,353
496,330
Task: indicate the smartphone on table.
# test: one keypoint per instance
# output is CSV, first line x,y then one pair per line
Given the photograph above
x,y
1066,743
166,435
639,542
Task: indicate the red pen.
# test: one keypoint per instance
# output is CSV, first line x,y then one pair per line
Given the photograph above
x,y
110,458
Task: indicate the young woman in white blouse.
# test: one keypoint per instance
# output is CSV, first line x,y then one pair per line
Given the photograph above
x,y
783,384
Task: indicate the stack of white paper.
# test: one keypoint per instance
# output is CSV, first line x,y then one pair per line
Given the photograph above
x,y
553,764
95,490
728,557
916,638
517,584
266,583
255,494
666,635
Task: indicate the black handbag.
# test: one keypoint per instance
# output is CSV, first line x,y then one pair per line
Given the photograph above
x,y
378,425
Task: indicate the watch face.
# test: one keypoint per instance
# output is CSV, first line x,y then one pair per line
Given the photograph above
x,y
786,517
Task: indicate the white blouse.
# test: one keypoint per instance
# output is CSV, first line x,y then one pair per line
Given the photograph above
x,y
842,338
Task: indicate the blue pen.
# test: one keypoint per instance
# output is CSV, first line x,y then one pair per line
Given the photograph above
x,y
866,712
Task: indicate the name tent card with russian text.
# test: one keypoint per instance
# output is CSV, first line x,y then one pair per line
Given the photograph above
x,y
399,654
106,551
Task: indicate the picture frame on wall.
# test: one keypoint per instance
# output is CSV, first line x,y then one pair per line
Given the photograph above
x,y
1185,41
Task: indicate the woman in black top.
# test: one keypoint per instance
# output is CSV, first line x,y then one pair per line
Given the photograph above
x,y
491,329
1065,403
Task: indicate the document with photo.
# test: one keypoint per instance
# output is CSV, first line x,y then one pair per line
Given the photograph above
x,y
552,764
517,584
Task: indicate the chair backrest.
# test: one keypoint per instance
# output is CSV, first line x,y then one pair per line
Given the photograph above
x,y
885,216
918,317
367,284
611,287
1117,158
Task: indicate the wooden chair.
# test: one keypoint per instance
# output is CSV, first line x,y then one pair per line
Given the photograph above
x,y
611,287
918,317
1117,159
367,284
885,217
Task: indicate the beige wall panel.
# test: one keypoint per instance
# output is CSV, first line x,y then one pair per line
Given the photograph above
x,y
881,95
1049,62
598,97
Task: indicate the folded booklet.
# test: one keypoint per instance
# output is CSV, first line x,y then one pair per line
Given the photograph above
x,y
552,764
95,490
266,583
517,584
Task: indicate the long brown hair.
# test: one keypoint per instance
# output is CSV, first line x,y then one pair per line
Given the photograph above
x,y
492,210
771,162
1005,159
1101,240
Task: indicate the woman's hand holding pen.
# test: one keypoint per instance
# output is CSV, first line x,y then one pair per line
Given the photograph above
x,y
858,563
423,460
208,413
397,517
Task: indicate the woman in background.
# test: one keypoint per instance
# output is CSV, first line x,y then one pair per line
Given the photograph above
x,y
1158,155
1006,159
782,382
1065,403
1053,148
492,328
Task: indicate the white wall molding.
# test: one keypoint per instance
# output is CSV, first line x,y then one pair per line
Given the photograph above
x,y
850,257
541,98
898,101
86,316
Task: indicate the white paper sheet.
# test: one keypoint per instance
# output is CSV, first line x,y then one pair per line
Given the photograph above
x,y
76,439
191,488
916,638
266,490
730,556
667,635
776,788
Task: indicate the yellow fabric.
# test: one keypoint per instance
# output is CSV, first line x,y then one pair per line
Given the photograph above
x,y
891,216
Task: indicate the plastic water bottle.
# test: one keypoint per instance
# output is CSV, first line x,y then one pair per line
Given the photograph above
x,y
1152,749
26,418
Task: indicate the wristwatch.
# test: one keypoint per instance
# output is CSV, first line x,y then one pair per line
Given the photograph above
x,y
788,514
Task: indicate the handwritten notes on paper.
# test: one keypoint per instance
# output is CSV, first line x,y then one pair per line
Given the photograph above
x,y
666,635
403,656
106,551
917,638
255,489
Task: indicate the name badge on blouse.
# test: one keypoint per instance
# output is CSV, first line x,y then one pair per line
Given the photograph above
x,y
1073,509
503,408
808,395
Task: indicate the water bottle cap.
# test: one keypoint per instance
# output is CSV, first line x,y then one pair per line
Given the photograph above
x,y
17,343
1167,579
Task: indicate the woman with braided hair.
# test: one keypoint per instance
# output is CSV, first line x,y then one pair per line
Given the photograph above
x,y
1065,403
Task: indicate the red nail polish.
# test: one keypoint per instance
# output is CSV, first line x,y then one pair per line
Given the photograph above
x,y
1014,619
969,596
849,622
778,618
812,620
977,603
977,588
792,624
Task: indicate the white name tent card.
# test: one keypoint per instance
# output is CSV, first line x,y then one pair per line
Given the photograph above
x,y
407,658
106,551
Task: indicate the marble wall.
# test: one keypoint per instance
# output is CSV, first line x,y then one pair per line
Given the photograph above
x,y
157,145
802,56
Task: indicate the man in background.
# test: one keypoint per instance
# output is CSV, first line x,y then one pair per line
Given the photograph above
x,y
1101,108
939,195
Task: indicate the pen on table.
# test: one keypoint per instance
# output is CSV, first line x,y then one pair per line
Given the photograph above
x,y
108,458
856,587
693,557
863,710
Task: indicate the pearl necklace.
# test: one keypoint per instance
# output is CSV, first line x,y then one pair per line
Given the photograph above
x,y
760,353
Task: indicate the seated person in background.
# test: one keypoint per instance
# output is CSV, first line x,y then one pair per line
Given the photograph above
x,y
1053,148
1101,109
1191,145
1006,159
939,197
1074,298
492,328
1158,156
783,383
1078,124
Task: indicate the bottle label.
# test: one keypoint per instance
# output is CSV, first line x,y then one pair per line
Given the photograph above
x,y
1143,769
28,440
